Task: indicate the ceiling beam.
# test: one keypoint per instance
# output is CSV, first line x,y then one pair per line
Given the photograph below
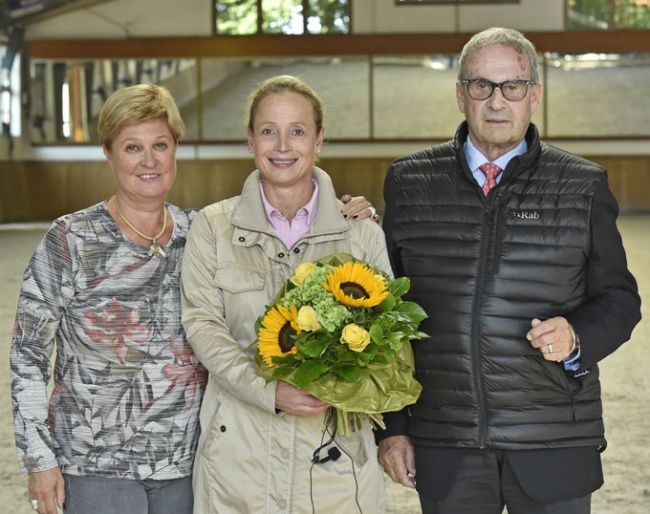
x,y
614,41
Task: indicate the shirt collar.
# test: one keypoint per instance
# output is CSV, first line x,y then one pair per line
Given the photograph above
x,y
309,209
475,158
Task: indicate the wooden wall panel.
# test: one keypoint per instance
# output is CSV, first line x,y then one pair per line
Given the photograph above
x,y
629,180
199,183
37,191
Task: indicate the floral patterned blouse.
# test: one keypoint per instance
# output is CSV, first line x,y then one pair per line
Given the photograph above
x,y
127,387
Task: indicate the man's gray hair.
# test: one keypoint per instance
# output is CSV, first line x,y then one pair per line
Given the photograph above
x,y
499,36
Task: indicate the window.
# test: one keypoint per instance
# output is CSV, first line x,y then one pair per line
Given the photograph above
x,y
245,17
587,95
456,2
10,106
608,14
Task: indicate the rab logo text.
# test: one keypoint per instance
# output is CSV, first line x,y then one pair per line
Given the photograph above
x,y
527,215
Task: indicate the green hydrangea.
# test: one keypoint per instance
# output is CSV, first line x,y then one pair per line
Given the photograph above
x,y
331,315
311,291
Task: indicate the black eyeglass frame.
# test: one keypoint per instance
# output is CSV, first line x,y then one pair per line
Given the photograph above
x,y
494,85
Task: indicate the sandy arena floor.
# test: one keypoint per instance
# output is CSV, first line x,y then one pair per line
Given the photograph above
x,y
625,379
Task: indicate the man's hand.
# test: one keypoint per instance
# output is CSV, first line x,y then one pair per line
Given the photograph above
x,y
358,208
555,338
289,398
398,460
48,489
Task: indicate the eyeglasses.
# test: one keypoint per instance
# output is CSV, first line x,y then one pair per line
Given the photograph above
x,y
482,89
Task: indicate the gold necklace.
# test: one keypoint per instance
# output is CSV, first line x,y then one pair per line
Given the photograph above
x,y
155,250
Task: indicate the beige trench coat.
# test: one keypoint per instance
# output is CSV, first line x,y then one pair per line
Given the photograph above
x,y
252,460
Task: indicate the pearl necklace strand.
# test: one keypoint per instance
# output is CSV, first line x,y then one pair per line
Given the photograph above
x,y
155,250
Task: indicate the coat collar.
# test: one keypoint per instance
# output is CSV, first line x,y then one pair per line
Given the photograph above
x,y
515,166
250,213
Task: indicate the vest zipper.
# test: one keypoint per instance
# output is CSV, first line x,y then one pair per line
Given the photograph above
x,y
475,342
497,235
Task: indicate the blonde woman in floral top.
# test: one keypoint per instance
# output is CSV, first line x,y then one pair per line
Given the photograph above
x,y
120,432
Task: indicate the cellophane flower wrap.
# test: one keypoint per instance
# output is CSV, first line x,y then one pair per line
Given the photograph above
x,y
340,330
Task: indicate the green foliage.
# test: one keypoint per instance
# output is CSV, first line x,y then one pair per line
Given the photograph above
x,y
236,17
607,14
239,17
309,371
333,15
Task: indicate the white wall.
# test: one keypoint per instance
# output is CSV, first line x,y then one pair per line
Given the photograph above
x,y
129,18
383,16
175,18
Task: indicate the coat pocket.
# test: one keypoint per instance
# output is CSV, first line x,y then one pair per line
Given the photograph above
x,y
356,445
235,278
213,432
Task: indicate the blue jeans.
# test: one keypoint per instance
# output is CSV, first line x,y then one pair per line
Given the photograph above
x,y
92,495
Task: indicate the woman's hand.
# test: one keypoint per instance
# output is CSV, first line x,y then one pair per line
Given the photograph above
x,y
358,208
289,398
48,489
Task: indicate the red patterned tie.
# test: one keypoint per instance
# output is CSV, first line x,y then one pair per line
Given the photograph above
x,y
491,171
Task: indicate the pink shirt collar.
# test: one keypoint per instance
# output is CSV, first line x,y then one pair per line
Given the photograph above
x,y
290,233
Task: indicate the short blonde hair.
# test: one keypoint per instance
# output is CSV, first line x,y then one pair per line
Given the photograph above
x,y
285,84
135,104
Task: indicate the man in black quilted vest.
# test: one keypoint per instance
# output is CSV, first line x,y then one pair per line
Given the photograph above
x,y
512,248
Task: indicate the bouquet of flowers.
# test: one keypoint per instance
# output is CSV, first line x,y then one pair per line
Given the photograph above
x,y
340,330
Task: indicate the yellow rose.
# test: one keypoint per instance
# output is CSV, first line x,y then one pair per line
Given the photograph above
x,y
302,272
308,319
356,337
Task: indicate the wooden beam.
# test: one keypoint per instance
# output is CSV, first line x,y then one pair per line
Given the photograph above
x,y
619,41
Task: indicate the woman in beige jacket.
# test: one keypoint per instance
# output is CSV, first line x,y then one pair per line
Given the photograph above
x,y
258,442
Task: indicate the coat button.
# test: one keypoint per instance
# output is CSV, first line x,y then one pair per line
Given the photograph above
x,y
281,255
222,428
296,250
284,454
242,239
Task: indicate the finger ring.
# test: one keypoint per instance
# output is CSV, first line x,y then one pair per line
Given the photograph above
x,y
34,504
550,348
373,212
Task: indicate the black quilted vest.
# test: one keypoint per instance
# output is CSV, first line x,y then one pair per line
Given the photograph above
x,y
483,268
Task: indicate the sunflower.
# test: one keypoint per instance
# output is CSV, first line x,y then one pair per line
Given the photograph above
x,y
356,285
275,338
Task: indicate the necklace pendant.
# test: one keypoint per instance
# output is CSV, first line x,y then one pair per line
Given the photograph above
x,y
156,251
